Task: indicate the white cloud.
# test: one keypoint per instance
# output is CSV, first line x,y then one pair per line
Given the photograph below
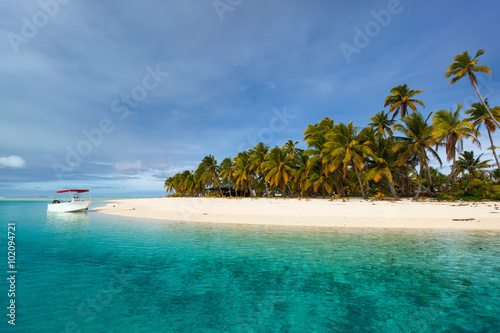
x,y
123,166
13,162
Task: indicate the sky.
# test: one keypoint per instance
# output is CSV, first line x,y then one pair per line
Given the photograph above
x,y
116,96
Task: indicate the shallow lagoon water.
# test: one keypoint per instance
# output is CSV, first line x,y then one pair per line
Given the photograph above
x,y
90,272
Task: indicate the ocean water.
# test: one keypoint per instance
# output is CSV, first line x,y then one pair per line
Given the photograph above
x,y
89,272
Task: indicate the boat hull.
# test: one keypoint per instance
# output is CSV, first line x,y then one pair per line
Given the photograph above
x,y
67,207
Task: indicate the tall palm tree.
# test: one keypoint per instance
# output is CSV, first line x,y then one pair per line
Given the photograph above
x,y
401,99
450,129
382,124
280,168
418,139
209,171
344,149
479,116
243,172
463,66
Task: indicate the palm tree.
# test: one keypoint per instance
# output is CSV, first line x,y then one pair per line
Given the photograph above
x,y
301,172
289,147
462,66
280,168
401,100
382,124
315,135
479,116
169,185
449,128
473,166
257,158
495,174
227,168
209,171
418,139
243,172
344,149
316,181
382,160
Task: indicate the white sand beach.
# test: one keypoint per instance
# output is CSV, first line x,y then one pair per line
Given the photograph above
x,y
355,212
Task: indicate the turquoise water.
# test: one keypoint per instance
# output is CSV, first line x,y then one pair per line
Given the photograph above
x,y
96,273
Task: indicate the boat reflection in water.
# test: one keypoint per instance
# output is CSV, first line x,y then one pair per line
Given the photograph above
x,y
76,222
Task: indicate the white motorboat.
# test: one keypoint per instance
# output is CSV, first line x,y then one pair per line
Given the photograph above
x,y
76,203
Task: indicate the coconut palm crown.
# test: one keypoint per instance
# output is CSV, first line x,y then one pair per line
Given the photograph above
x,y
401,99
463,66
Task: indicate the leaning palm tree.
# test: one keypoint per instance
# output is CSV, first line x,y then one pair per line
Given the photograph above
x,y
463,66
418,139
479,116
382,124
401,99
450,129
344,149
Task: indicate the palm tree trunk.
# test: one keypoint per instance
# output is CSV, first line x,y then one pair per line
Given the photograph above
x,y
493,148
342,192
449,176
486,106
430,178
419,180
218,184
250,187
337,188
360,182
391,187
412,180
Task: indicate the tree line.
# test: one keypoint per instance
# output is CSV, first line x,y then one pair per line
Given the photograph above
x,y
388,157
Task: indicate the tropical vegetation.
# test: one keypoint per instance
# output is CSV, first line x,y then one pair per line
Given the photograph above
x,y
390,157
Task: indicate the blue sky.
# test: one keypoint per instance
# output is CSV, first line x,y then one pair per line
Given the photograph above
x,y
118,95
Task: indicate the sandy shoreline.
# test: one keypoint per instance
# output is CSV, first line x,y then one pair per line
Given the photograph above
x,y
356,213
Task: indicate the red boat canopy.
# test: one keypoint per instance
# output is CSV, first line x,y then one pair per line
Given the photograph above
x,y
79,191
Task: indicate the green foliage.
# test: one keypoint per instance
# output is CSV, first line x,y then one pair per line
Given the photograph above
x,y
444,197
387,157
